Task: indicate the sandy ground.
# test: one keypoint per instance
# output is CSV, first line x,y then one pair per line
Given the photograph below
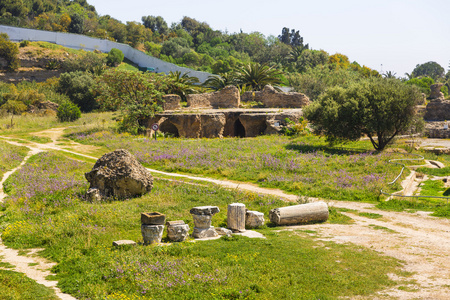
x,y
420,241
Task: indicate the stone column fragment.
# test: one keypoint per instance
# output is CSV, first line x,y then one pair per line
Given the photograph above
x,y
152,233
254,219
177,231
236,217
300,214
202,221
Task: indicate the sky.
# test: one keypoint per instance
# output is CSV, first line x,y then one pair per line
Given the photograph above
x,y
385,35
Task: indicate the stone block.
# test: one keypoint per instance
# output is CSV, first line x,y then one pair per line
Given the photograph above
x,y
254,219
223,231
153,218
204,210
178,232
173,223
123,242
152,233
236,217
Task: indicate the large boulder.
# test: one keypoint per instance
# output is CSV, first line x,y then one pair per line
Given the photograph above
x,y
118,174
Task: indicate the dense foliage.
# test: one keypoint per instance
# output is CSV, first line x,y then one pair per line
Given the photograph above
x,y
378,108
68,112
10,52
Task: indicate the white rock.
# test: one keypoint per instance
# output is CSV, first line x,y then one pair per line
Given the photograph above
x,y
201,233
236,217
152,233
254,219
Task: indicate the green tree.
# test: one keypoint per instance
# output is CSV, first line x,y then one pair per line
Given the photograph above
x,y
218,82
376,107
76,23
430,69
10,52
14,108
156,24
114,58
77,86
135,94
257,76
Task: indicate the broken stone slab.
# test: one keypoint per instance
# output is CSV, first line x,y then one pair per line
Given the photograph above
x,y
177,231
223,231
204,210
201,233
153,218
152,233
251,234
123,243
236,217
300,214
254,219
118,174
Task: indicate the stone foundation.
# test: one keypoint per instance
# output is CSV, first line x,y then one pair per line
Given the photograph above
x,y
228,97
224,123
271,98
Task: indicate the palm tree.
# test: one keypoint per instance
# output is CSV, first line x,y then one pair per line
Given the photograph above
x,y
389,74
257,76
218,82
182,85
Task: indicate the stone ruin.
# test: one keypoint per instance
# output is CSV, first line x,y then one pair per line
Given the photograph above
x,y
217,114
118,175
269,97
438,109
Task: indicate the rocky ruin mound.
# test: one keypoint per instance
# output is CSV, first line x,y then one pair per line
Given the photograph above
x,y
119,175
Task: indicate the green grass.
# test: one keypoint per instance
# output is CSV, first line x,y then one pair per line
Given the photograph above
x,y
434,188
382,228
435,172
11,156
78,235
16,286
370,215
335,216
302,165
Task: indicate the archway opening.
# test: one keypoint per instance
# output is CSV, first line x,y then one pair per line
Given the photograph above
x,y
169,128
239,129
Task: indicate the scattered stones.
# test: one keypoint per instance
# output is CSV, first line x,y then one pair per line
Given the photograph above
x,y
152,233
300,214
123,243
153,218
236,217
118,174
223,231
202,221
177,231
254,219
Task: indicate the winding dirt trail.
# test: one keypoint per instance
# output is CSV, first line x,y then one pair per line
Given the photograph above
x,y
421,241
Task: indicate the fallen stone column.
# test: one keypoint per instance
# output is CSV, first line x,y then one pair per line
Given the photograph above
x,y
300,214
236,217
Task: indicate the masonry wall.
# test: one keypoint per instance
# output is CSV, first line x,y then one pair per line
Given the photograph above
x,y
77,41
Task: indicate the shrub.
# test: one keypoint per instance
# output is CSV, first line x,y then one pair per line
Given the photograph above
x,y
10,52
114,58
68,112
24,43
77,86
89,61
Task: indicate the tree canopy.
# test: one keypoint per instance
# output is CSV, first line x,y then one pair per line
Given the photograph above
x,y
376,107
431,69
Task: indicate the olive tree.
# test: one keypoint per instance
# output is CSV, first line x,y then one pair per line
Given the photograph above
x,y
378,108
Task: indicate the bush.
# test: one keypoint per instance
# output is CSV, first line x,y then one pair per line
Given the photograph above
x,y
77,86
10,52
114,58
68,112
89,61
24,43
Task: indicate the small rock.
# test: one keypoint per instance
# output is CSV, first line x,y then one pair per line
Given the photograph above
x,y
223,231
124,242
254,219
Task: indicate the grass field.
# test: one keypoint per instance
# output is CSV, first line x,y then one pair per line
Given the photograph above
x,y
46,210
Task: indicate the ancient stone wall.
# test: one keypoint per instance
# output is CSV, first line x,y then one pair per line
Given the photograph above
x,y
171,102
271,98
438,110
228,97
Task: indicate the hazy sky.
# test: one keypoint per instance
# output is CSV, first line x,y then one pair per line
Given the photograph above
x,y
386,35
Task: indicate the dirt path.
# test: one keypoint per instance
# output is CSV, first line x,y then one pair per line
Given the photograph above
x,y
31,265
422,242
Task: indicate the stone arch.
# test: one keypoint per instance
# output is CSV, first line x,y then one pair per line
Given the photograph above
x,y
169,127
